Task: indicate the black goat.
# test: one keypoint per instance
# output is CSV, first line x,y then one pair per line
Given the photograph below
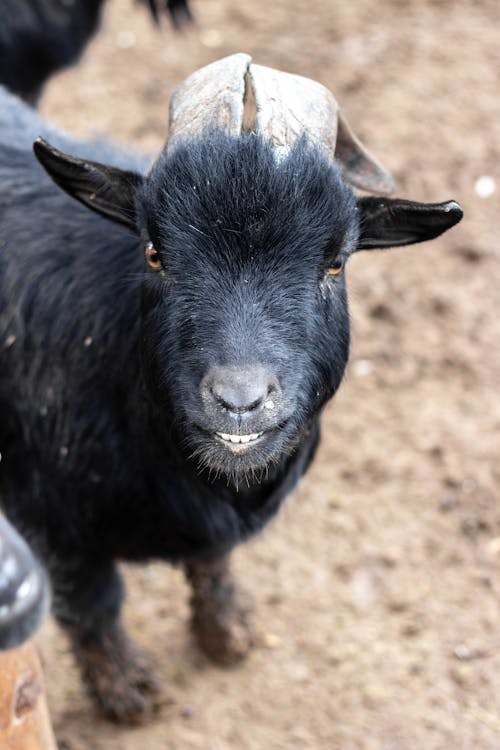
x,y
165,357
40,37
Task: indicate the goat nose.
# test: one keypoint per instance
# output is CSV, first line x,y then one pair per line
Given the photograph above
x,y
240,390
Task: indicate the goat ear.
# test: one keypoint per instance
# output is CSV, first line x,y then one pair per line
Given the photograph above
x,y
107,190
386,222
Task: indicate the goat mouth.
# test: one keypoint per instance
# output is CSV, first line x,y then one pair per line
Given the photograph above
x,y
238,443
235,453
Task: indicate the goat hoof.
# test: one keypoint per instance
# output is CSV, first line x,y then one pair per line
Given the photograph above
x,y
117,676
124,703
132,697
142,677
226,637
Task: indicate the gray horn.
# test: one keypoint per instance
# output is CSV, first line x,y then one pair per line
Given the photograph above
x,y
236,95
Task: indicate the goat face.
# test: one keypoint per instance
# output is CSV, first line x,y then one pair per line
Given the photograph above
x,y
245,329
245,333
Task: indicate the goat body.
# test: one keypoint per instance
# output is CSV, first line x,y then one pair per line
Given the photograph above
x,y
165,359
40,37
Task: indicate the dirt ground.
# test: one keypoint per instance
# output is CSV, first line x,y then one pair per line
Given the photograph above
x,y
378,587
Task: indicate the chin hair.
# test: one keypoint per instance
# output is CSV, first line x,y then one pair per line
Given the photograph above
x,y
216,463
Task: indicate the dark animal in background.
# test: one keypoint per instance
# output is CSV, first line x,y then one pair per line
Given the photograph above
x,y
40,37
24,590
167,354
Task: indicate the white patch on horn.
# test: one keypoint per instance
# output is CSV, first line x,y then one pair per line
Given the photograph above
x,y
289,106
210,99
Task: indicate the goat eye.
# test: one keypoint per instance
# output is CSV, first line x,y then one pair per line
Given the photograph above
x,y
152,256
336,267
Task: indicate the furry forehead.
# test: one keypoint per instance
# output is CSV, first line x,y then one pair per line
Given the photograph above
x,y
240,184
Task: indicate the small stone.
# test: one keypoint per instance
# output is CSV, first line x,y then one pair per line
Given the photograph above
x,y
381,311
473,526
125,39
469,485
461,675
211,38
187,712
436,452
462,652
9,341
362,367
485,186
364,589
447,503
397,605
373,693
493,546
336,502
88,341
391,556
271,641
274,599
471,254
411,628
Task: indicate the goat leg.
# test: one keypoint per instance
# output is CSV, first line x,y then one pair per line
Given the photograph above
x,y
220,612
115,673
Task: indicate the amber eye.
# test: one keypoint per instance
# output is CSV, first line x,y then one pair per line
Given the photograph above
x,y
152,257
336,267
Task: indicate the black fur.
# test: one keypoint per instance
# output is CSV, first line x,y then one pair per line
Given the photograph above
x,y
108,442
40,37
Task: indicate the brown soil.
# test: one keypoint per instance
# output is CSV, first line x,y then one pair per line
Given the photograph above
x,y
378,586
